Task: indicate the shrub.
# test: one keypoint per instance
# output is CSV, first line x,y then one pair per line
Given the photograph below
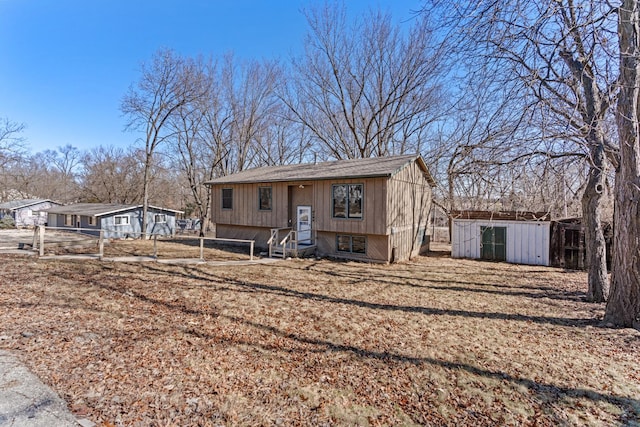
x,y
7,222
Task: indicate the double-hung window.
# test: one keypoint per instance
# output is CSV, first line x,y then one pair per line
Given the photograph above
x,y
121,219
160,218
347,200
227,198
264,198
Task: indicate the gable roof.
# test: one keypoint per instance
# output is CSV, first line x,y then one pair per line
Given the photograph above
x,y
18,204
99,209
373,167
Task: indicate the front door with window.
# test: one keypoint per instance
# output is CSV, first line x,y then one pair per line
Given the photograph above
x,y
494,243
304,224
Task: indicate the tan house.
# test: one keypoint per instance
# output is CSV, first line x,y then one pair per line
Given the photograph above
x,y
374,209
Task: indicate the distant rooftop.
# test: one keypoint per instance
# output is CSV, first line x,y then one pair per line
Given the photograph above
x,y
17,204
99,209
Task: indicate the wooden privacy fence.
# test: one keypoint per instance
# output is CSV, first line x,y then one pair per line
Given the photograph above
x,y
39,240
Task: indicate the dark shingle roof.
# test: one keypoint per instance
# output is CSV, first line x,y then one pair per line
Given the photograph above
x,y
338,169
98,209
17,204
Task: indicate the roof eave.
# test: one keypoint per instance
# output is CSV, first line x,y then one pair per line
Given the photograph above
x,y
255,181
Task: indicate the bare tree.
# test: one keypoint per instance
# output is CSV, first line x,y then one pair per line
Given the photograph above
x,y
250,93
367,89
11,142
112,175
67,161
284,141
193,148
12,151
623,306
561,51
474,140
166,84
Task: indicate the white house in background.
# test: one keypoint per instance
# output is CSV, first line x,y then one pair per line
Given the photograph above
x,y
27,212
514,237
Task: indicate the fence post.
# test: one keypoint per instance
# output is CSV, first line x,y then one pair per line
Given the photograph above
x,y
155,246
36,233
41,240
202,248
101,245
251,251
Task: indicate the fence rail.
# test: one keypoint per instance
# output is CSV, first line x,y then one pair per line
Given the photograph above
x,y
39,239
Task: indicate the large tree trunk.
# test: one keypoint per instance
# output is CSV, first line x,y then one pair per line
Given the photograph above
x,y
595,244
623,307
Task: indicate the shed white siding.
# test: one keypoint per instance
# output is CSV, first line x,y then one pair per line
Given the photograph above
x,y
527,242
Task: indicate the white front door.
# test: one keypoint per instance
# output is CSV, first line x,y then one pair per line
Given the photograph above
x,y
304,224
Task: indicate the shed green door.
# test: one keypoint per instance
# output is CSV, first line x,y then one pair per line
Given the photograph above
x,y
493,245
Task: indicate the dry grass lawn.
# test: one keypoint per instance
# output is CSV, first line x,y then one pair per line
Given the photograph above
x,y
169,248
304,342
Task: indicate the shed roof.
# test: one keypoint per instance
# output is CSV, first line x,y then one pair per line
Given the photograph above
x,y
99,209
18,204
502,215
337,169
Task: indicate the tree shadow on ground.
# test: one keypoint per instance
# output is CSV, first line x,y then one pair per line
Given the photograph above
x,y
547,394
199,274
535,292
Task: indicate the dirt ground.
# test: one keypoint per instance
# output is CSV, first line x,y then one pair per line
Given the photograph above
x,y
435,341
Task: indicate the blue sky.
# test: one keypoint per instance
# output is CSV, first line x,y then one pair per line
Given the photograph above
x,y
65,64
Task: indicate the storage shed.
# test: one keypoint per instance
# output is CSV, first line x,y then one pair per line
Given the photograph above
x,y
514,237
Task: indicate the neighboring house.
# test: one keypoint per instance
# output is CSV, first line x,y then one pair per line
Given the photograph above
x,y
116,220
514,237
27,212
374,209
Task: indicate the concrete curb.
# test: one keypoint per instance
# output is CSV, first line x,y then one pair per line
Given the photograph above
x,y
25,401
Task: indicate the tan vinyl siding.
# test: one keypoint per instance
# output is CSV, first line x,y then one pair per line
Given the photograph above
x,y
300,197
245,209
259,234
373,214
377,247
408,208
395,210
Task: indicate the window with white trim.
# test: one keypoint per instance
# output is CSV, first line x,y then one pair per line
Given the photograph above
x,y
121,220
160,218
91,220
